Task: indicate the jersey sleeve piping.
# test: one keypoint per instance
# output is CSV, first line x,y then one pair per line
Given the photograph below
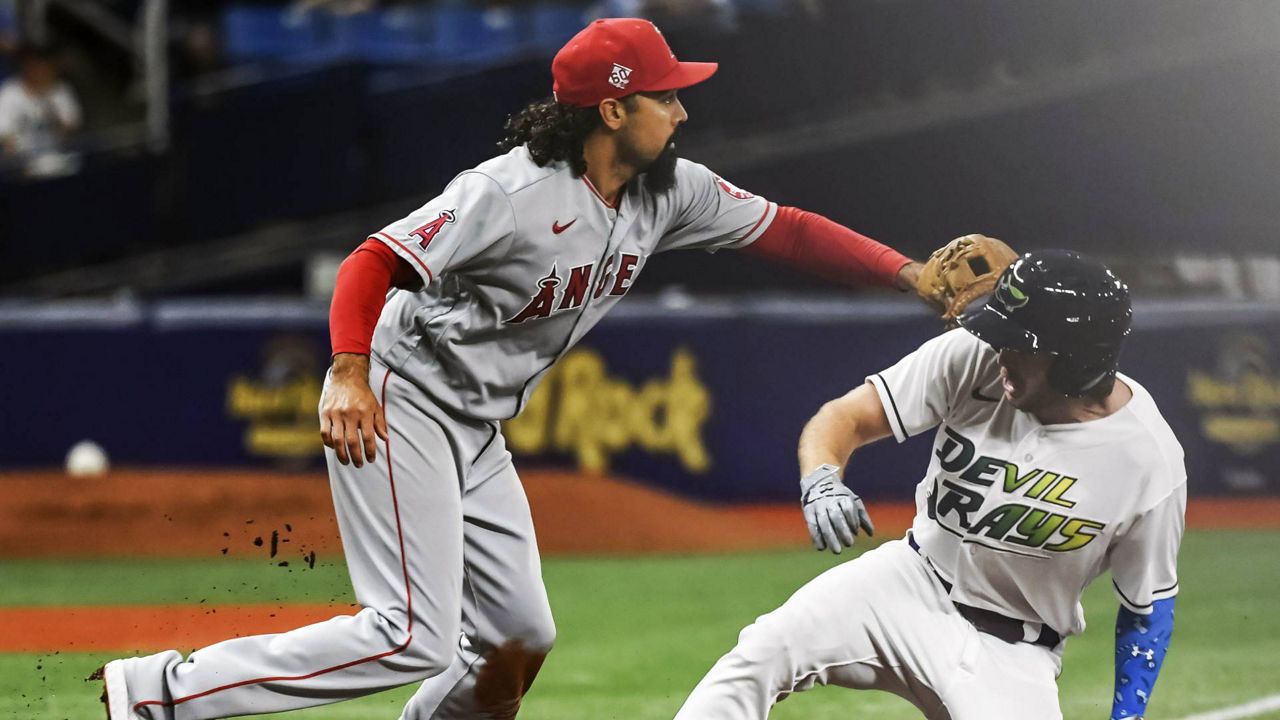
x,y
1145,609
407,253
886,399
404,252
1161,593
766,219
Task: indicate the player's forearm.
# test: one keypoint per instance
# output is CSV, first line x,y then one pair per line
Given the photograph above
x,y
1141,644
842,426
812,243
825,440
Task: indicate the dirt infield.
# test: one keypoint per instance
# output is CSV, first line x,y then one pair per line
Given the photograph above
x,y
203,514
188,513
151,627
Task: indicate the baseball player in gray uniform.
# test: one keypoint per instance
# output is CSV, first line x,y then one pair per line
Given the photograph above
x,y
1049,468
490,284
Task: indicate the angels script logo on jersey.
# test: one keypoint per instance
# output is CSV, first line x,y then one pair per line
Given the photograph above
x,y
620,77
955,504
544,303
427,233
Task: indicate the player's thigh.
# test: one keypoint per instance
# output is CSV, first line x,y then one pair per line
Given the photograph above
x,y
506,599
880,612
401,515
996,680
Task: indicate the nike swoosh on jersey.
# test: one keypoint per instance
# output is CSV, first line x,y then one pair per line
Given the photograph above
x,y
977,395
557,228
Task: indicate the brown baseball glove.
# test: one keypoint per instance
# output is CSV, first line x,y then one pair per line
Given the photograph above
x,y
962,271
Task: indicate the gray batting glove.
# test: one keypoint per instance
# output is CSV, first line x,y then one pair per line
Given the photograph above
x,y
831,510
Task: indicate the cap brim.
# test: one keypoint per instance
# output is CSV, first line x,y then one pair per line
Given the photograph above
x,y
684,75
994,327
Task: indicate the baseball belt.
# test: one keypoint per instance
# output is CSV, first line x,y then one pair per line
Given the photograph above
x,y
1008,629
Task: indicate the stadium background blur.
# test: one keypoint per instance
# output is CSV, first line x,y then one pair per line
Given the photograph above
x,y
164,291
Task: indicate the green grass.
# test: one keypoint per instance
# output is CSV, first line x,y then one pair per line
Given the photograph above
x,y
635,634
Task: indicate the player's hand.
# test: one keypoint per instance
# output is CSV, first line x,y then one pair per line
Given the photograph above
x,y
831,510
351,420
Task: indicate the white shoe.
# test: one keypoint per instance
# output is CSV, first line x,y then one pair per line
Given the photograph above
x,y
114,694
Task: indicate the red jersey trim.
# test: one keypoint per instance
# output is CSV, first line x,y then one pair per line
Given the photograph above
x,y
615,204
768,208
430,276
404,567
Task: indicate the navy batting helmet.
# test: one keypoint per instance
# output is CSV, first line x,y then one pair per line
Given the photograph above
x,y
1064,304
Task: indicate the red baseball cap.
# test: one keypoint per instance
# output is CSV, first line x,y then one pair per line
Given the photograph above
x,y
616,57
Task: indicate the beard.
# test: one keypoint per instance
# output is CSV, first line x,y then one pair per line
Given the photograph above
x,y
659,174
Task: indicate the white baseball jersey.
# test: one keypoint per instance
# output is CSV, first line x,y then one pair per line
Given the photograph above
x,y
1021,516
520,261
32,121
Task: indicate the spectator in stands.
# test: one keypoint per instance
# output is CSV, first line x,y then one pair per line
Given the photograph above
x,y
337,7
8,35
38,114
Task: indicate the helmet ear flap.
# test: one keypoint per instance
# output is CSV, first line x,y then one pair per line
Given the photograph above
x,y
1072,378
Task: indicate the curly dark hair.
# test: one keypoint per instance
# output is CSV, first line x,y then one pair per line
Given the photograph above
x,y
553,131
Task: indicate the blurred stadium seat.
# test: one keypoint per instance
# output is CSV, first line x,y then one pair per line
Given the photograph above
x,y
469,35
552,24
261,33
389,35
906,119
451,34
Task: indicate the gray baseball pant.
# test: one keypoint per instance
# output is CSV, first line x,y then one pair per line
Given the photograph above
x,y
441,550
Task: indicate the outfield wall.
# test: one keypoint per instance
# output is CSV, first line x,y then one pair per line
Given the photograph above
x,y
704,398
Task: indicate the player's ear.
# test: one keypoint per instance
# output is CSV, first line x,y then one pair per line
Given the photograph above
x,y
613,113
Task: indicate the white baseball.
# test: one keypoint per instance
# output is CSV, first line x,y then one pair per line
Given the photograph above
x,y
87,459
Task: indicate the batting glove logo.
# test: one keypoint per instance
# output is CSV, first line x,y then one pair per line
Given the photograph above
x,y
833,512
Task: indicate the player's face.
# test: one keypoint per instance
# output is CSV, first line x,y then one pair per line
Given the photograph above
x,y
39,73
651,127
1025,379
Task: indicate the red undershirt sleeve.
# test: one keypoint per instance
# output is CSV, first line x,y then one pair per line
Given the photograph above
x,y
361,290
813,243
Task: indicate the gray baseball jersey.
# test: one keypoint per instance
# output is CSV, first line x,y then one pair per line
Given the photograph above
x,y
520,261
1021,516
